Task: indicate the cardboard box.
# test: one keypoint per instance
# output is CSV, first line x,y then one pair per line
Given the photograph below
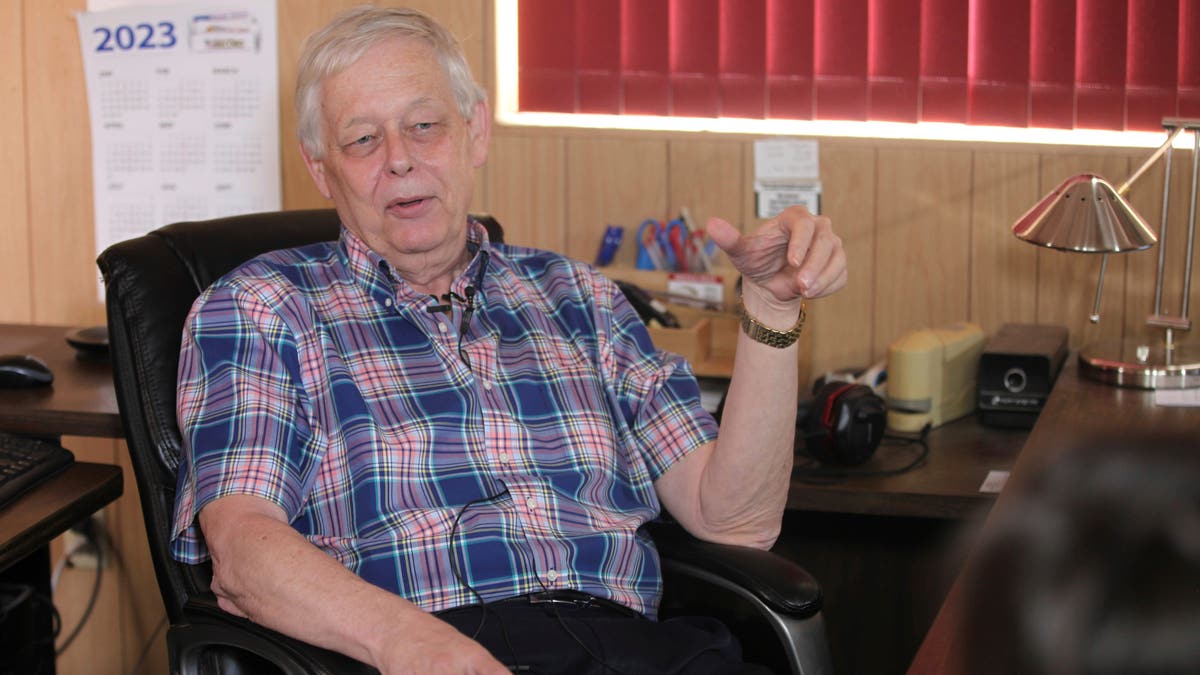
x,y
706,338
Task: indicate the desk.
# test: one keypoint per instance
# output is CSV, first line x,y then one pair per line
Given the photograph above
x,y
946,485
45,512
878,544
1075,406
81,402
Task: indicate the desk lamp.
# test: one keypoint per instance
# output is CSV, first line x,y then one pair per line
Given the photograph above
x,y
1087,215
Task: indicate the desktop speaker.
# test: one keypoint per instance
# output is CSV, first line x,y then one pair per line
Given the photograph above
x,y
1016,372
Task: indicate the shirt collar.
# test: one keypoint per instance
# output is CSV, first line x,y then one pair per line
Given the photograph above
x,y
382,283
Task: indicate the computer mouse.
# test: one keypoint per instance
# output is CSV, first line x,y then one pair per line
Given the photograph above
x,y
24,370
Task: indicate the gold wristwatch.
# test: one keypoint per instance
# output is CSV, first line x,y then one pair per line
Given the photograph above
x,y
768,336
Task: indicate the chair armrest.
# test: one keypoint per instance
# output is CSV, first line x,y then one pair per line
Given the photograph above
x,y
206,628
779,583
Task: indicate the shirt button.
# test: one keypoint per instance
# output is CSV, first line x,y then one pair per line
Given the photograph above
x,y
503,457
552,575
443,327
487,385
531,504
387,303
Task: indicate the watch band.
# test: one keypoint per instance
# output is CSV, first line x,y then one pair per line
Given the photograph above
x,y
769,336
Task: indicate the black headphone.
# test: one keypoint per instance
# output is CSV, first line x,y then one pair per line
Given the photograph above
x,y
844,423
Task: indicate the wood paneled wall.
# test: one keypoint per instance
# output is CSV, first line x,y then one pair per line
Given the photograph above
x,y
925,225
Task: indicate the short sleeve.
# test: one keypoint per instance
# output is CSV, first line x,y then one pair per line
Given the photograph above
x,y
240,411
656,390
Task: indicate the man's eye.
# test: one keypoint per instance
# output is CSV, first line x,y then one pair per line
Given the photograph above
x,y
424,126
361,146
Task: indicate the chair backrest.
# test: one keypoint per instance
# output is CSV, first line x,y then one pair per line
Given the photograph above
x,y
151,282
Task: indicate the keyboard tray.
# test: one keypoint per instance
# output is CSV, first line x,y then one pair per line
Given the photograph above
x,y
26,462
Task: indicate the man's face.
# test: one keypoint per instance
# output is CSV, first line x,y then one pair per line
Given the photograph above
x,y
399,158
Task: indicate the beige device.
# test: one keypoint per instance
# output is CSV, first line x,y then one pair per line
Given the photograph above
x,y
931,376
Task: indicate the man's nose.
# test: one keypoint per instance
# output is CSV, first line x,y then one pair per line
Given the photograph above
x,y
399,159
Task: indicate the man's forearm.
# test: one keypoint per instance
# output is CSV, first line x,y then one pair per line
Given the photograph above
x,y
735,490
745,482
264,570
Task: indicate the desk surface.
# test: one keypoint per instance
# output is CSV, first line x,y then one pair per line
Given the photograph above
x,y
1077,405
81,402
945,485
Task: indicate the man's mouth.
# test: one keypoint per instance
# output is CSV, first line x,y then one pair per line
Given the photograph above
x,y
406,204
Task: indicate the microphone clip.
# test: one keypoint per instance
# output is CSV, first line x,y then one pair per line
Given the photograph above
x,y
448,299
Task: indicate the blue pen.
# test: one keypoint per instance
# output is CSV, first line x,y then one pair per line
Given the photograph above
x,y
613,234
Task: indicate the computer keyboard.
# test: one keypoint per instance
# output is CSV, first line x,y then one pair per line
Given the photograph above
x,y
26,462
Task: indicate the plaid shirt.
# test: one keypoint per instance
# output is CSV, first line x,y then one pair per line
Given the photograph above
x,y
314,378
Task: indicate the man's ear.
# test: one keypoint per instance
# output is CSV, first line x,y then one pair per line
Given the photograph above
x,y
316,169
480,128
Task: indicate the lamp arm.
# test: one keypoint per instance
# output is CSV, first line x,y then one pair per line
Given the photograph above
x,y
1158,318
1162,234
1191,236
1123,188
1095,317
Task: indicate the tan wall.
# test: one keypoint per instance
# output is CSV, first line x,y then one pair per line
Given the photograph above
x,y
925,225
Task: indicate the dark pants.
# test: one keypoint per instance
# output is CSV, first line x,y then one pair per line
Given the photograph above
x,y
585,638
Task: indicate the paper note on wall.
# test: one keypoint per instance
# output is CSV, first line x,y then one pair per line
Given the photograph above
x,y
786,172
184,107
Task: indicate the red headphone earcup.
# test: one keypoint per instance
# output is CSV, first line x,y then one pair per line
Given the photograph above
x,y
845,424
819,438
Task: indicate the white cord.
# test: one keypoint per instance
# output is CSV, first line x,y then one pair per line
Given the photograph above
x,y
76,547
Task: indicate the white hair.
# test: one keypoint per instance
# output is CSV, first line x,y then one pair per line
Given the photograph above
x,y
345,39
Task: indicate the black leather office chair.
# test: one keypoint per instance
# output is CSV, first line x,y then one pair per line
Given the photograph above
x,y
151,282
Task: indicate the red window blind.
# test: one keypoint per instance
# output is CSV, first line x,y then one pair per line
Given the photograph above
x,y
1097,64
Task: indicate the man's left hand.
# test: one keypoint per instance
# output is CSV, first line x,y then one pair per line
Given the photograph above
x,y
792,256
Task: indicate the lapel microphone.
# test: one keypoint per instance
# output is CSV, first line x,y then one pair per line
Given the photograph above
x,y
468,304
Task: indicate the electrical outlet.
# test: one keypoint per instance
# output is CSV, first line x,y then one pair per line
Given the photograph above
x,y
87,536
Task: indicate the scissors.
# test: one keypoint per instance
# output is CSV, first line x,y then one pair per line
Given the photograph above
x,y
662,245
678,237
653,247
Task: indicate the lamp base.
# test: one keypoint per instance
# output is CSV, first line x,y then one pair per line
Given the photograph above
x,y
1116,362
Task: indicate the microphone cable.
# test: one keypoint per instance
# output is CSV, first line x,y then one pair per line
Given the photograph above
x,y
474,288
484,606
598,658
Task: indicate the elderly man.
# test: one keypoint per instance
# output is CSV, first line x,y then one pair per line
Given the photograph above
x,y
434,453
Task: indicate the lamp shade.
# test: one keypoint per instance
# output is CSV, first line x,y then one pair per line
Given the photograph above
x,y
1085,214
